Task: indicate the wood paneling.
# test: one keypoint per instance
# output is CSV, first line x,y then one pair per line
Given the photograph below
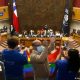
x,y
36,13
28,42
4,13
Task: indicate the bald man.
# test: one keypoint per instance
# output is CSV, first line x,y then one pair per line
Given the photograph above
x,y
39,59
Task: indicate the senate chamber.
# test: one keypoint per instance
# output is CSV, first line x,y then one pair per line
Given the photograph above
x,y
39,40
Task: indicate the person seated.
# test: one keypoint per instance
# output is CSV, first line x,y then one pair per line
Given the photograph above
x,y
42,32
73,32
13,60
67,66
78,32
38,33
32,33
24,33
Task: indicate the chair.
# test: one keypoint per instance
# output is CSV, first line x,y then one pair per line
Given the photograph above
x,y
2,71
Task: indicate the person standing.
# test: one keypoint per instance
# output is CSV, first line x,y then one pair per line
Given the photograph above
x,y
67,67
13,60
39,59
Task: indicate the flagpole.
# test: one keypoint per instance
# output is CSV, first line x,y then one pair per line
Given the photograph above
x,y
10,11
15,17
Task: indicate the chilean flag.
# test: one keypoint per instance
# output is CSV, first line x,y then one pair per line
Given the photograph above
x,y
15,17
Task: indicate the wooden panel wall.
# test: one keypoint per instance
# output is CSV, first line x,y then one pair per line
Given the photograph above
x,y
4,13
36,13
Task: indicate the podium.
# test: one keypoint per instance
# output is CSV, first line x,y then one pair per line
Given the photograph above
x,y
3,36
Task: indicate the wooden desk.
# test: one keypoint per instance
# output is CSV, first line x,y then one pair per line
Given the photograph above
x,y
3,36
28,41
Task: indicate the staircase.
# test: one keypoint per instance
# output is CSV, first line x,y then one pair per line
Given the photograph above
x,y
75,44
4,44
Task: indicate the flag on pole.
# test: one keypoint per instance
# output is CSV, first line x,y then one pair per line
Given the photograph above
x,y
15,17
65,26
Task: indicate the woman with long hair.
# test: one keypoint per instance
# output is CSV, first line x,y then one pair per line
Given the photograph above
x,y
68,67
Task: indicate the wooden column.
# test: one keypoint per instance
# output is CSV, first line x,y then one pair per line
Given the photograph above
x,y
36,13
10,11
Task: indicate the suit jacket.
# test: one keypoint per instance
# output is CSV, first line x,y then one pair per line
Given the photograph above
x,y
40,63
